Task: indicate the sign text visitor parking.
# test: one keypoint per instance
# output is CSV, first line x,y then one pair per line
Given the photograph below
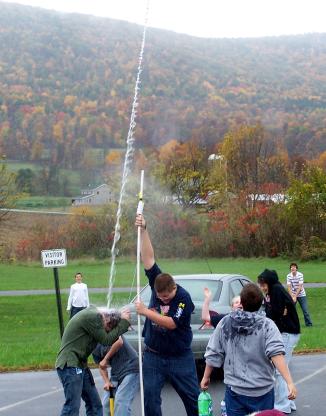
x,y
54,258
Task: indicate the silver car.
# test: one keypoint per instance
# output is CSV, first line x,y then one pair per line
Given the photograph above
x,y
223,287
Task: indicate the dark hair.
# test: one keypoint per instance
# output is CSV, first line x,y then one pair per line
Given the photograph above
x,y
78,274
251,297
294,264
269,277
164,282
110,316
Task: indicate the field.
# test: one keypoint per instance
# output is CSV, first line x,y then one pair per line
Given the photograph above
x,y
29,326
30,333
43,202
74,176
33,276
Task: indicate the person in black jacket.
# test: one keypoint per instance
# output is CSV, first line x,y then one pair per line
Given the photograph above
x,y
279,307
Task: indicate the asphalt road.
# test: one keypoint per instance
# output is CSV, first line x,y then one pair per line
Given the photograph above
x,y
40,393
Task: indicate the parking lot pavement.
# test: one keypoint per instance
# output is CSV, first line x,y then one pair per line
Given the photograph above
x,y
40,393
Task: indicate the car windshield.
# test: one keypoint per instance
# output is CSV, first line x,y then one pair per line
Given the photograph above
x,y
194,286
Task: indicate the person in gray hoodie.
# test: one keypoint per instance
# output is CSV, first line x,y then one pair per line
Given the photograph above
x,y
249,345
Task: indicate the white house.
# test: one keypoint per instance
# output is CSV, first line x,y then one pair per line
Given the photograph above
x,y
100,195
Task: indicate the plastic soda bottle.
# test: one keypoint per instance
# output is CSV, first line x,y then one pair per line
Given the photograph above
x,y
205,404
223,408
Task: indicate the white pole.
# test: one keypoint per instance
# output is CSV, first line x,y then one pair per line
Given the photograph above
x,y
140,211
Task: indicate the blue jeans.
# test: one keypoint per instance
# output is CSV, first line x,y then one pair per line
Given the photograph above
x,y
282,402
239,405
304,306
179,371
78,383
124,396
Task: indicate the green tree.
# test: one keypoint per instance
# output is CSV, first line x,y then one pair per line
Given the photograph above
x,y
306,207
8,195
24,180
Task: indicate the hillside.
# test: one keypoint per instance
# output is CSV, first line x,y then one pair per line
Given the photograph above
x,y
66,84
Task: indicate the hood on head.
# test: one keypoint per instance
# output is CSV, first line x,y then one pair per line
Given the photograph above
x,y
269,276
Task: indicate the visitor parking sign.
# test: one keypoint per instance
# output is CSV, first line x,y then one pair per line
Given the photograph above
x,y
54,258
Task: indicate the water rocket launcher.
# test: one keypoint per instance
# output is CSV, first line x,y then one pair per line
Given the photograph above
x,y
140,207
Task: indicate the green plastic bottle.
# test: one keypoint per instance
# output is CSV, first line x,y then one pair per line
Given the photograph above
x,y
205,404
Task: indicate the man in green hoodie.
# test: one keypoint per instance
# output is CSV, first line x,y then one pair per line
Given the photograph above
x,y
83,332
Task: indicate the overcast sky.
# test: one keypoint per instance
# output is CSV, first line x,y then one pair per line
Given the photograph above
x,y
206,18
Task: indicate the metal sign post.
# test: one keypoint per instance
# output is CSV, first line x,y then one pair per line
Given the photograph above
x,y
54,259
58,297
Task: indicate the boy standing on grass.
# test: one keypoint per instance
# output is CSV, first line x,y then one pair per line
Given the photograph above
x,y
294,281
168,336
123,360
78,296
248,345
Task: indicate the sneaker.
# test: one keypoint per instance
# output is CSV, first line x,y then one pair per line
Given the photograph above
x,y
293,406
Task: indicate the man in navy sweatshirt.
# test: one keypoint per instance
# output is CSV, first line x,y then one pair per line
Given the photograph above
x,y
168,336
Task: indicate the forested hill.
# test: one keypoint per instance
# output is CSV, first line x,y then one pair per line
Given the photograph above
x,y
67,81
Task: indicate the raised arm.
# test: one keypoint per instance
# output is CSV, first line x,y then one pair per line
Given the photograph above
x,y
146,249
205,316
100,334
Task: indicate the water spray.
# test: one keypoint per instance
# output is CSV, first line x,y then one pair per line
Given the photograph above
x,y
128,160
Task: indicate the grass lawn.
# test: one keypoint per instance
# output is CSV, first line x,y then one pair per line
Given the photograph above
x,y
34,276
30,332
41,202
14,166
29,329
73,175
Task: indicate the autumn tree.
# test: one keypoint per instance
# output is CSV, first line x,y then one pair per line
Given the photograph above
x,y
251,161
182,168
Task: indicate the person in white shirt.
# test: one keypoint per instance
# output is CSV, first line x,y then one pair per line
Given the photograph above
x,y
78,296
294,281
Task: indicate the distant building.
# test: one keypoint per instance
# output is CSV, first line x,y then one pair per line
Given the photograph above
x,y
267,199
100,195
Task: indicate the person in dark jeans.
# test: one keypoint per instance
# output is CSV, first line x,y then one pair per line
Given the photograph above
x,y
248,344
83,332
78,296
294,281
168,336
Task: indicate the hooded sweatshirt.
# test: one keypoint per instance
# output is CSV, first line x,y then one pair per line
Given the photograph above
x,y
245,342
280,308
